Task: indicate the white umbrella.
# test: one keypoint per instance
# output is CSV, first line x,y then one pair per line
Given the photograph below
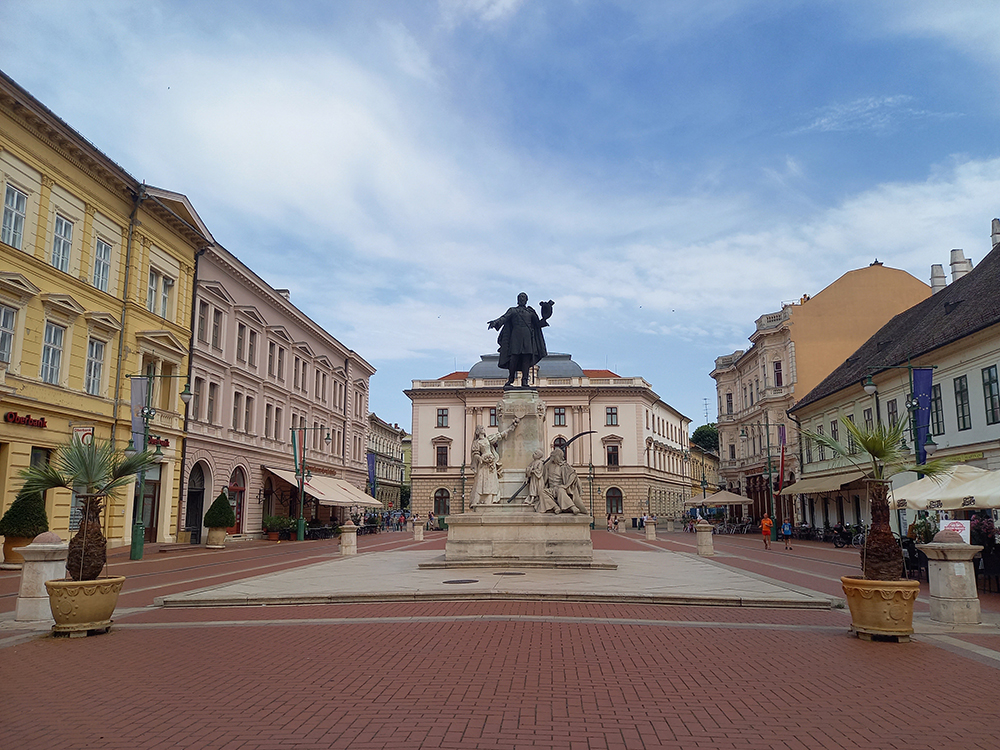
x,y
722,497
963,487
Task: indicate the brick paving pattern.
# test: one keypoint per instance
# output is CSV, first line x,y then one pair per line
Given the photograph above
x,y
490,674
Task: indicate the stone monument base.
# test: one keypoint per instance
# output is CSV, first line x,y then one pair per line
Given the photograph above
x,y
512,536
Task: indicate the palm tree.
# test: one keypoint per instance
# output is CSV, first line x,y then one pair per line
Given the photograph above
x,y
93,470
880,455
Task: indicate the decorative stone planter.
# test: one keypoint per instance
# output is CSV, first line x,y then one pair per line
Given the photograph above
x,y
216,539
881,609
13,560
83,607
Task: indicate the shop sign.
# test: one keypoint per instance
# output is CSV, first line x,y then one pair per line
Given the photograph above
x,y
162,442
84,434
12,417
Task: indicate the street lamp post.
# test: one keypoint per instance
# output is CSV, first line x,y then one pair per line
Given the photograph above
x,y
147,413
301,471
590,476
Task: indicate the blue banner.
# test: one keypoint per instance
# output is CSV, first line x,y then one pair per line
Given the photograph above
x,y
923,379
371,472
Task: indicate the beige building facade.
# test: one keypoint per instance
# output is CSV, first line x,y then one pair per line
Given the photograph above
x,y
386,467
267,381
791,351
631,462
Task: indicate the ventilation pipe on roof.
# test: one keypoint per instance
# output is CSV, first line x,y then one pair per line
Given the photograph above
x,y
960,266
938,279
995,239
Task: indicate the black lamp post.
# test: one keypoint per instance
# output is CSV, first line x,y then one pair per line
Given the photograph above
x,y
147,413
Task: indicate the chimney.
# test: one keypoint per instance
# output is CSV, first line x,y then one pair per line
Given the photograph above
x,y
959,265
286,293
938,280
995,239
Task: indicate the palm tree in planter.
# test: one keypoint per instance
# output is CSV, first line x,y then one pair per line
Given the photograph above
x,y
93,470
881,601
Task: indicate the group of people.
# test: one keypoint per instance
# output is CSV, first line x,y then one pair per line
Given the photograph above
x,y
767,525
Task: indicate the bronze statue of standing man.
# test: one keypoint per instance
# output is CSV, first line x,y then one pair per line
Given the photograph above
x,y
521,342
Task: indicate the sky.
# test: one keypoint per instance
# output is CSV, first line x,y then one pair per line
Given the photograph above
x,y
667,172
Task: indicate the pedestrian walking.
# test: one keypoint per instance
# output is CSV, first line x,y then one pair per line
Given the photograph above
x,y
766,524
786,532
614,521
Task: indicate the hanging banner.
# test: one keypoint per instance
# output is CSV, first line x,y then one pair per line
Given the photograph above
x,y
371,472
140,388
923,379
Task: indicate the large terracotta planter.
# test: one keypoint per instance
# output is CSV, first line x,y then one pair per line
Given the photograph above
x,y
10,557
216,539
83,607
881,609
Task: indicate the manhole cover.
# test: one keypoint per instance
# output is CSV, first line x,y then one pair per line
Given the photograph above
x,y
463,580
508,574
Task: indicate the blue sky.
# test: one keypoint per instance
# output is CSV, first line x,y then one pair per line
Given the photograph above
x,y
667,172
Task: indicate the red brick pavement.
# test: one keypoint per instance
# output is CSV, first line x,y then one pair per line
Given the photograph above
x,y
487,674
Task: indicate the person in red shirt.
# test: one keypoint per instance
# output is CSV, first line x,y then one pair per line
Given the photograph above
x,y
765,529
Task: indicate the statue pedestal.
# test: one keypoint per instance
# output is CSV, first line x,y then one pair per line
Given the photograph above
x,y
513,536
516,451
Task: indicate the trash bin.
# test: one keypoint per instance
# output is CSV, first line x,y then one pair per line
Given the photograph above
x,y
442,523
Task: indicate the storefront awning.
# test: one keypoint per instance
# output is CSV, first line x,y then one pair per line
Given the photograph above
x,y
329,490
830,483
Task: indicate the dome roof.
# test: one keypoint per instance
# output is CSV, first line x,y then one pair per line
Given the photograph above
x,y
552,366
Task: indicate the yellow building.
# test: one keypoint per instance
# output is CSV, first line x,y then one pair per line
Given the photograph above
x,y
96,277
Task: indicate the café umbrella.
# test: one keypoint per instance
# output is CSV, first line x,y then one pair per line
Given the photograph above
x,y
964,487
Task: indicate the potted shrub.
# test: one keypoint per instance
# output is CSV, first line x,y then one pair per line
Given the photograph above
x,y
218,518
274,525
881,601
84,602
24,520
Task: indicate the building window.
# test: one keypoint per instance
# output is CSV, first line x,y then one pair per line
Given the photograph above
x,y
835,430
442,503
614,501
102,265
891,412
732,451
199,387
729,403
295,373
241,340
441,455
7,317
159,293
869,424
248,416
217,329
62,243
15,205
991,394
213,396
809,451
612,455
252,349
237,398
560,443
52,353
778,382
203,321
270,357
268,419
281,363
493,417
820,447
277,424
962,410
559,416
95,367
442,419
852,444
611,416
937,410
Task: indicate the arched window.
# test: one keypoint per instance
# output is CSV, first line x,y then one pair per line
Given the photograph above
x,y
442,502
560,442
613,498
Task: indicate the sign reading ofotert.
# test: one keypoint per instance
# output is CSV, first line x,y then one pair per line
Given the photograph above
x,y
12,417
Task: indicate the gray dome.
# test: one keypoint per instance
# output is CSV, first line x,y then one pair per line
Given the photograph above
x,y
552,366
